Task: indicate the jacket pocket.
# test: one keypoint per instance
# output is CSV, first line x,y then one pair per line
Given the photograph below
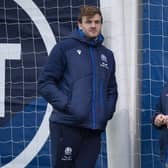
x,y
101,115
80,104
105,113
101,95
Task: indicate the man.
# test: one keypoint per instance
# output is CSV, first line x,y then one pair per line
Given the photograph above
x,y
79,82
160,121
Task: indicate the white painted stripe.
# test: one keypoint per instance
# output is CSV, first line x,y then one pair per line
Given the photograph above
x,y
11,52
25,157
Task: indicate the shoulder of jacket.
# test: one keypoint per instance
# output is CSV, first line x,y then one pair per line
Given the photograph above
x,y
166,85
164,90
67,44
109,51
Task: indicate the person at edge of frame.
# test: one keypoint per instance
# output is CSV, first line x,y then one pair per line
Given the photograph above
x,y
79,82
160,121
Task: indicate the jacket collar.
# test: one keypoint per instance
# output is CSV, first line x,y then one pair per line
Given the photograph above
x,y
78,34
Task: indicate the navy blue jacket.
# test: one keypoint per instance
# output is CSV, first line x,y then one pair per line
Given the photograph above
x,y
162,108
79,82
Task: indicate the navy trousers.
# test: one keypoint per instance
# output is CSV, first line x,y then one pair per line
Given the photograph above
x,y
74,147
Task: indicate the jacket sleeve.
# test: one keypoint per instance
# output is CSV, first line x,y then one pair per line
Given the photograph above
x,y
50,77
112,91
158,110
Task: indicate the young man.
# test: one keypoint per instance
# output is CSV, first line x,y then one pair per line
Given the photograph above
x,y
160,121
79,82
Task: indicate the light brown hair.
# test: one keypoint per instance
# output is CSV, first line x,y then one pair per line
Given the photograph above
x,y
89,11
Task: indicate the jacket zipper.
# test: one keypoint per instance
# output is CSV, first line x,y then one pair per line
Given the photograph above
x,y
93,87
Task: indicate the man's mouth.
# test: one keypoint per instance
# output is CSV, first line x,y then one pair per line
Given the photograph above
x,y
93,31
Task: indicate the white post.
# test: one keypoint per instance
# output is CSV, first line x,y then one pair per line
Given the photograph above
x,y
120,31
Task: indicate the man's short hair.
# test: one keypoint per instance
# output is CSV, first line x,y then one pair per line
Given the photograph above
x,y
89,11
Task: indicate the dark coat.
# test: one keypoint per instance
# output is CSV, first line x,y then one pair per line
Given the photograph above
x,y
79,82
162,108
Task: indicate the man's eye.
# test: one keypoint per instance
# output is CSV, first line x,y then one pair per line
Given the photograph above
x,y
97,22
88,22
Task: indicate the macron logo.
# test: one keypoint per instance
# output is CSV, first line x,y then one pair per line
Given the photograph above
x,y
79,51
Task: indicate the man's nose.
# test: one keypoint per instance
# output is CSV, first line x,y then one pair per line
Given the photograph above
x,y
93,24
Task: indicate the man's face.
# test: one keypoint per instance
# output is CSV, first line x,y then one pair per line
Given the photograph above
x,y
91,26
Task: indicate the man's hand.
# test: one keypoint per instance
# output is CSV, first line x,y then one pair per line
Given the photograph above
x,y
161,119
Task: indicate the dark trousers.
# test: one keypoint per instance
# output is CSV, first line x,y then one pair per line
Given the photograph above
x,y
74,147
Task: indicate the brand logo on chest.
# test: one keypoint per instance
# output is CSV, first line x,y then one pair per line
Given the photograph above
x,y
104,61
79,51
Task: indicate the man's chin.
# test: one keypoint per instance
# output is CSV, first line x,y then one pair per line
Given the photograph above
x,y
93,36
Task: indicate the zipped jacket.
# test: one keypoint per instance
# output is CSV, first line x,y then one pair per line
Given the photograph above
x,y
162,108
79,82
